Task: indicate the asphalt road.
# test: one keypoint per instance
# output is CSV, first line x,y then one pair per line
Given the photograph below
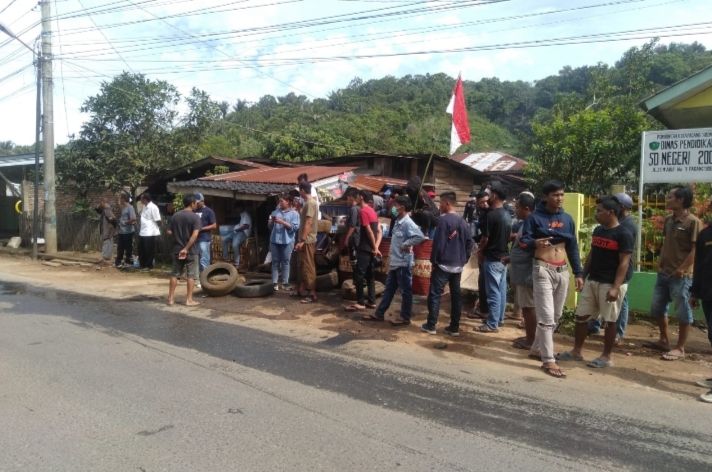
x,y
92,384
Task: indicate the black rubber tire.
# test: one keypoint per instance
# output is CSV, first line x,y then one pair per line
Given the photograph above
x,y
326,282
219,279
254,289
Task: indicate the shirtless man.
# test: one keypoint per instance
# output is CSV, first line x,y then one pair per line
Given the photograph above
x,y
551,234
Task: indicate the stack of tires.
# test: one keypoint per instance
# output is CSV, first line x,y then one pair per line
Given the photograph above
x,y
222,279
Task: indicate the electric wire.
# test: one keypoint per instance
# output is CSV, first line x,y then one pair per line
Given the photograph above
x,y
418,31
61,73
12,2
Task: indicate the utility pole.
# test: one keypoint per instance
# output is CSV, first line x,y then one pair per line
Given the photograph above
x,y
50,212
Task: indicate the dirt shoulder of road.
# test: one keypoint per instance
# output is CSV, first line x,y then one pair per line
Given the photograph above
x,y
327,322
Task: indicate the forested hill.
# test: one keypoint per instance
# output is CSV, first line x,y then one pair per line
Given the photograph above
x,y
581,125
400,115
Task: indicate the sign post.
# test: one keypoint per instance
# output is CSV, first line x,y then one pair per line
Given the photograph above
x,y
673,156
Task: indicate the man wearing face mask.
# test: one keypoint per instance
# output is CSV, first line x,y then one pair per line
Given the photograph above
x,y
405,235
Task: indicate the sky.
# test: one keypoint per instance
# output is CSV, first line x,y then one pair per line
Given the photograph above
x,y
244,49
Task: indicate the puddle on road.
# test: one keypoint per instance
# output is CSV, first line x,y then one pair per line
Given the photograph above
x,y
10,288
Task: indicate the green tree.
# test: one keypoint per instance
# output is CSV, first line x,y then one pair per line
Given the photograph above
x,y
129,134
589,150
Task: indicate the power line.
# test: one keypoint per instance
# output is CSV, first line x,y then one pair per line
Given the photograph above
x,y
15,73
105,38
12,2
664,31
414,31
61,74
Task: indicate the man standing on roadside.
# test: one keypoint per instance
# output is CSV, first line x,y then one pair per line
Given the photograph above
x,y
606,283
209,223
629,223
108,227
494,251
674,279
306,245
481,310
353,223
185,227
404,236
520,272
369,240
127,228
701,291
551,234
452,247
149,232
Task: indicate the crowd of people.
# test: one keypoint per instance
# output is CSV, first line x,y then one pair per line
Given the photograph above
x,y
531,245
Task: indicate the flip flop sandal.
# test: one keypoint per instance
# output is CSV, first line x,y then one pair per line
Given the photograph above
x,y
308,300
669,356
707,383
655,346
354,308
372,318
567,357
555,372
599,363
521,343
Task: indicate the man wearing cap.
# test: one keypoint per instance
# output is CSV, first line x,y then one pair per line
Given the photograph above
x,y
208,224
628,223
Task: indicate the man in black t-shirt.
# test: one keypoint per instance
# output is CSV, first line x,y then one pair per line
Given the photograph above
x,y
494,247
185,227
626,221
605,287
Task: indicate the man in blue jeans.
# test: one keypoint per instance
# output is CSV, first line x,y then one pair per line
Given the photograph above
x,y
208,224
494,248
404,236
452,246
674,279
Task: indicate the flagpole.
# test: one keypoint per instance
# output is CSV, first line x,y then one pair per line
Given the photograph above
x,y
422,181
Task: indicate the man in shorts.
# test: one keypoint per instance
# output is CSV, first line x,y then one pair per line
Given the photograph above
x,y
520,273
606,283
674,279
185,227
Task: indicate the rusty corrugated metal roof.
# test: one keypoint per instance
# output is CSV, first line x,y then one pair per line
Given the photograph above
x,y
375,183
491,162
250,188
280,175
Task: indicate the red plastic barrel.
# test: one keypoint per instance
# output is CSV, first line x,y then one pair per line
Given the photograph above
x,y
422,267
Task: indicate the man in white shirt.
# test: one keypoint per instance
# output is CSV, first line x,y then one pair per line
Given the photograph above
x,y
149,232
240,233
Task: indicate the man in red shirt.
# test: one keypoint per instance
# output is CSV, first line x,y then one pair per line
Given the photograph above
x,y
366,253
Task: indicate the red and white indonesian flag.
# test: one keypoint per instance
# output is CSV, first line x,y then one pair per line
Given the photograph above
x,y
460,132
